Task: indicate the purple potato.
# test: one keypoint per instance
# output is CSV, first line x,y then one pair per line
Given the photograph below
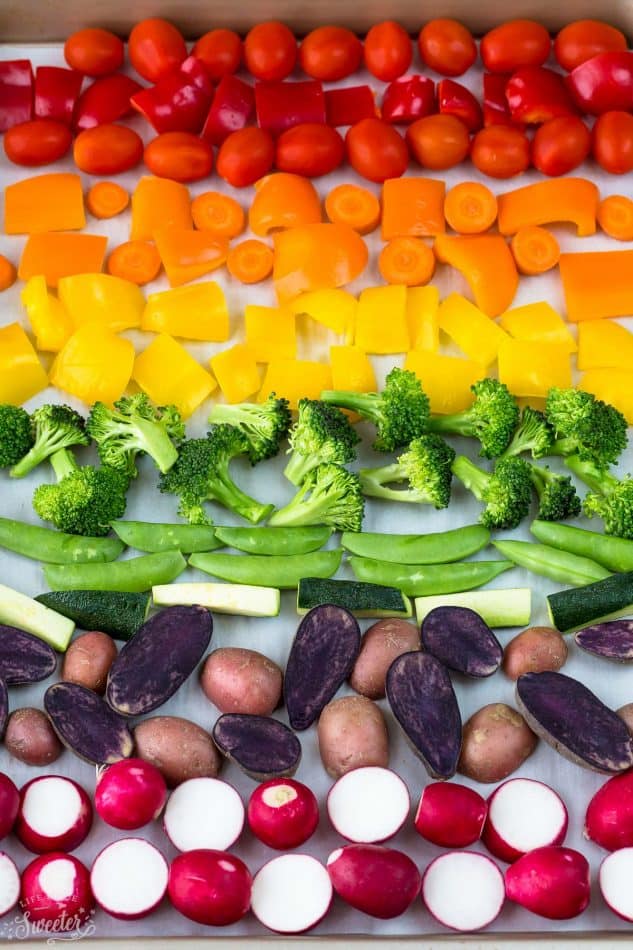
x,y
613,640
462,641
423,701
4,707
158,659
260,746
574,721
86,725
24,658
321,658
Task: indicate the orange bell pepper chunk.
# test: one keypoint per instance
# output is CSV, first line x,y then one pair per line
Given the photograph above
x,y
283,200
612,385
21,373
531,368
187,255
159,203
412,207
52,202
95,364
316,257
236,371
62,255
445,379
572,200
597,284
168,373
295,380
485,260
603,343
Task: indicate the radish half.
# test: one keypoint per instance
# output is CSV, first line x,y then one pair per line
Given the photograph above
x,y
55,814
523,815
463,890
283,813
381,882
129,878
9,884
130,794
9,804
210,887
609,818
450,815
552,882
369,804
56,888
291,893
614,878
204,813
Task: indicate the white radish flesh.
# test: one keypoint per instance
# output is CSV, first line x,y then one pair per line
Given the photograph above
x,y
522,815
129,878
204,813
291,893
56,888
368,804
9,884
450,815
616,874
463,890
55,814
381,882
283,813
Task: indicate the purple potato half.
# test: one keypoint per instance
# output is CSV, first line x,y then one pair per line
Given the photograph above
x,y
86,725
24,658
260,746
462,641
4,707
612,640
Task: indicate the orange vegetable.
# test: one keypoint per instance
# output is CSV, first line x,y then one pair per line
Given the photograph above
x,y
530,368
470,208
446,379
612,385
597,284
406,260
615,217
21,373
487,264
538,321
295,380
168,373
52,202
352,370
535,250
236,371
283,200
381,320
412,207
316,256
136,261
61,255
250,261
476,334
94,364
422,317
8,273
159,203
214,211
270,333
106,199
603,343
572,200
188,254
354,206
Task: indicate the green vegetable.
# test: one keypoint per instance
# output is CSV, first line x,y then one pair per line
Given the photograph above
x,y
558,498
240,599
534,434
135,426
54,428
137,574
18,610
363,600
611,498
417,580
491,419
264,424
16,434
551,562
423,471
438,548
284,572
582,606
507,491
321,434
329,495
501,607
269,540
55,547
153,537
616,554
585,426
117,613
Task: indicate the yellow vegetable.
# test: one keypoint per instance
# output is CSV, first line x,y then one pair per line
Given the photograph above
x,y
295,379
381,320
604,343
334,308
21,373
195,312
94,364
612,385
474,332
445,379
51,324
540,322
529,368
168,373
271,333
102,298
236,372
352,370
422,317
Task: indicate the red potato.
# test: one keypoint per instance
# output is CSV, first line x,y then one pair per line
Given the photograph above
x,y
179,749
291,894
382,643
352,733
283,813
450,815
241,681
55,814
204,813
523,815
88,659
130,794
626,712
368,805
609,818
210,887
129,878
533,651
55,889
614,879
381,882
9,884
463,890
9,805
496,741
552,882
31,739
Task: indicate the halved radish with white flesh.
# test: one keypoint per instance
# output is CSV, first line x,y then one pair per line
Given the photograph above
x,y
129,878
450,815
9,884
291,894
210,887
523,815
381,882
56,888
614,878
552,882
204,813
55,814
463,890
368,805
283,813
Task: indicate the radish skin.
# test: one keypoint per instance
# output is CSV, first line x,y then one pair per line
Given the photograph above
x,y
463,890
291,894
204,813
609,818
210,887
380,882
9,884
552,882
450,815
130,794
368,805
283,813
55,814
9,805
614,878
55,888
129,878
523,814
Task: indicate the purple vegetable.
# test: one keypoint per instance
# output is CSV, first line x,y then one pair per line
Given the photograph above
x,y
612,640
24,658
462,641
321,658
574,721
86,725
261,746
158,659
422,699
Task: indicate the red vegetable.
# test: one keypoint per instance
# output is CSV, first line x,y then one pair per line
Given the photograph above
x,y
270,51
106,100
552,882
232,107
330,53
178,102
55,892
513,44
309,149
450,815
496,111
376,151
16,92
156,47
447,46
37,142
612,142
220,51
130,794
609,817
180,156
438,141
408,99
560,145
603,83
9,804
283,813
535,94
94,52
500,151
56,93
245,156
455,99
280,105
107,150
581,40
387,50
349,105
210,887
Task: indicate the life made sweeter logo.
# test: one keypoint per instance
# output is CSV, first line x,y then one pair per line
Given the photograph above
x,y
66,927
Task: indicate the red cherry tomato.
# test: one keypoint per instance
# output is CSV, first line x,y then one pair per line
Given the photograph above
x,y
37,142
447,46
612,142
514,44
560,145
245,156
220,51
107,150
579,41
270,51
387,51
438,141
94,52
376,151
330,53
309,149
180,156
500,151
156,48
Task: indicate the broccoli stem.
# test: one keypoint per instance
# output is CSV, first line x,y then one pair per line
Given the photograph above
x,y
299,512
150,438
48,443
63,464
471,476
366,404
459,423
227,493
598,479
374,482
298,467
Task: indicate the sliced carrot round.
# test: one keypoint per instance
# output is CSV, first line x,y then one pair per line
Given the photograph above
x,y
8,273
250,261
406,260
106,199
357,207
213,211
615,217
136,261
470,208
535,250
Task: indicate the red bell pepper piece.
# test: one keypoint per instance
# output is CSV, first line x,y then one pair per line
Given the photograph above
x,y
535,94
455,99
281,105
603,83
407,99
349,105
16,92
232,107
105,101
180,101
56,93
496,111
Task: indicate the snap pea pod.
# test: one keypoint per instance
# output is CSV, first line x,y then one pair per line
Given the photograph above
x,y
438,548
264,570
550,562
135,575
154,537
418,580
616,554
55,547
274,541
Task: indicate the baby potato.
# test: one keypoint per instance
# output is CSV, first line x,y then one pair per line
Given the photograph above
x,y
30,738
352,732
88,659
533,651
626,712
382,643
180,749
496,741
241,681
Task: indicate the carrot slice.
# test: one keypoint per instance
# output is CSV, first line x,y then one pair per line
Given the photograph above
x,y
354,206
470,208
406,260
106,199
213,211
136,261
535,250
615,217
250,261
8,273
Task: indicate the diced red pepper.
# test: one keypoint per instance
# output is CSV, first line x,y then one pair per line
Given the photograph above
x,y
349,105
180,101
56,93
282,105
535,94
16,92
603,83
455,99
232,107
407,99
105,101
496,111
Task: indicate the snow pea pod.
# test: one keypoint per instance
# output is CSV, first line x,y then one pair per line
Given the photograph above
x,y
616,554
55,547
264,570
136,575
418,580
549,562
155,537
437,548
274,541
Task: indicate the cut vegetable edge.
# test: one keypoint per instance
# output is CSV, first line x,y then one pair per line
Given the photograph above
x,y
55,814
129,878
368,805
614,880
9,884
204,813
18,610
523,814
291,894
499,607
242,600
463,890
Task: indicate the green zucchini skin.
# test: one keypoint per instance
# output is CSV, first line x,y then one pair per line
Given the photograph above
x,y
603,600
361,599
113,612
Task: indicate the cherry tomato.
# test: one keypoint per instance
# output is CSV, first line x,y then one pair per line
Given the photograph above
x,y
500,151
220,51
438,141
270,50
37,142
387,51
309,149
447,46
94,52
180,156
375,150
107,150
156,48
579,41
330,53
612,142
245,156
560,145
513,44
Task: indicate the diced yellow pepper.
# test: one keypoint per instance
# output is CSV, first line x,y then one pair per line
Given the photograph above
x,y
381,320
94,365
529,368
538,321
445,379
295,380
612,385
195,312
102,298
168,373
21,373
271,333
334,308
51,324
422,316
236,372
604,343
352,370
474,332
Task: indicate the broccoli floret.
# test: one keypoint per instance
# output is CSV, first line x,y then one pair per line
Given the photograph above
x,y
491,419
16,434
329,495
54,428
264,424
507,491
424,471
558,498
135,426
400,412
585,426
321,434
201,473
611,498
534,434
85,500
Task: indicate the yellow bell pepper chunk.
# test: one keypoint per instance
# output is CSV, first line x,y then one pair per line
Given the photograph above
x,y
529,368
445,379
271,333
475,333
334,308
102,298
295,380
604,343
168,374
236,372
94,365
352,370
422,317
381,320
21,373
612,385
51,324
540,322
195,312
